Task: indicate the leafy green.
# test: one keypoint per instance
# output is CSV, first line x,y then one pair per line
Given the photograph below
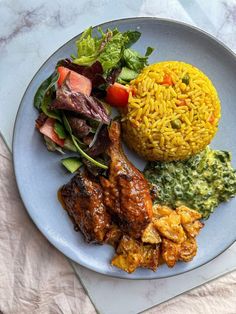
x,y
134,60
112,52
87,48
132,37
67,124
47,100
126,75
111,49
44,95
149,51
71,163
59,129
38,98
43,88
79,149
93,161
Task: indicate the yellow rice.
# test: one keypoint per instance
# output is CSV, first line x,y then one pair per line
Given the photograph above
x,y
171,122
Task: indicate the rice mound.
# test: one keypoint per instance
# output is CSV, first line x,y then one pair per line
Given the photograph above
x,y
173,112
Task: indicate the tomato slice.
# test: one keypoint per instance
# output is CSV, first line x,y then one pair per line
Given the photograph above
x,y
78,82
117,95
48,130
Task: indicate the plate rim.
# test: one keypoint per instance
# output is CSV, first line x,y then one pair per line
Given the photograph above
x,y
49,238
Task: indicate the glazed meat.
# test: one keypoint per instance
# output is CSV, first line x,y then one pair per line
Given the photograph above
x,y
126,192
82,197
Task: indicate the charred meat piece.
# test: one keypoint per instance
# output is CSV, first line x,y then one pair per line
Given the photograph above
x,y
126,192
83,199
79,127
88,106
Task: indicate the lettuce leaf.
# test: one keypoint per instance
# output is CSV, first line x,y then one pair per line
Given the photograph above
x,y
87,48
132,37
107,47
60,131
44,96
112,52
134,60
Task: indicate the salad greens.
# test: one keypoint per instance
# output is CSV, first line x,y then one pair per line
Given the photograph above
x,y
44,95
111,49
72,120
59,129
80,150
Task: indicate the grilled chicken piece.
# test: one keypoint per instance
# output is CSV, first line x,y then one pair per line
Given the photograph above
x,y
126,192
83,199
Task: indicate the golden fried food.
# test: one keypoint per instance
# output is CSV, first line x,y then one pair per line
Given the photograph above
x,y
169,240
161,210
132,254
170,252
129,255
188,250
151,235
187,215
173,252
193,228
150,257
170,227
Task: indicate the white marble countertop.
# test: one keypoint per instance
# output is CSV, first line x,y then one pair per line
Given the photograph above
x,y
31,30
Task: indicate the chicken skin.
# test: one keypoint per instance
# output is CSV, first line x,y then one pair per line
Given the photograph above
x,y
126,192
82,197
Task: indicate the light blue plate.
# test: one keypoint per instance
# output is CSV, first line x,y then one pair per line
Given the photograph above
x,y
39,174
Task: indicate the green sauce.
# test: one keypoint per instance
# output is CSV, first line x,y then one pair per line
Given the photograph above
x,y
201,182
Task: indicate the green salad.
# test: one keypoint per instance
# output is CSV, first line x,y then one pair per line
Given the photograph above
x,y
201,182
74,101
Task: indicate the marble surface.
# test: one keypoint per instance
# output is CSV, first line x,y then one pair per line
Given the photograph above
x,y
31,30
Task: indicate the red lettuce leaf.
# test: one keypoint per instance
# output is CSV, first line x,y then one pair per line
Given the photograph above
x,y
88,106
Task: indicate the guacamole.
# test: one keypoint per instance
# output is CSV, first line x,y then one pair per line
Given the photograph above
x,y
201,182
